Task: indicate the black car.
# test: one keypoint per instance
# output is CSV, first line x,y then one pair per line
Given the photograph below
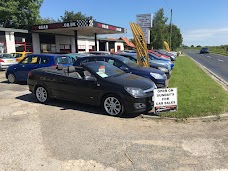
x,y
128,66
94,83
204,50
133,57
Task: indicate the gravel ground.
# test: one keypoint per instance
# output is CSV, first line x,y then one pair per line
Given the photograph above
x,y
66,136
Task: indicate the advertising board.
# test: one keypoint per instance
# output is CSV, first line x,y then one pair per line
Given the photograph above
x,y
165,100
145,22
140,44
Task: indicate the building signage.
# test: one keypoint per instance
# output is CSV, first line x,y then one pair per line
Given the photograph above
x,y
78,23
145,22
165,100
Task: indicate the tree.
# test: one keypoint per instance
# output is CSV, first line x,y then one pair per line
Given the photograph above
x,y
71,16
176,37
19,13
158,31
45,20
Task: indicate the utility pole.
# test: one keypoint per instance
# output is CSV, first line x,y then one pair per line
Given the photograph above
x,y
170,39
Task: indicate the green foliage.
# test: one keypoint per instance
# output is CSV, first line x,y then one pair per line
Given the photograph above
x,y
198,93
45,20
71,16
19,13
161,31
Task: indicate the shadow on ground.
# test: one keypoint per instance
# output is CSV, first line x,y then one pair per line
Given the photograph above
x,y
69,105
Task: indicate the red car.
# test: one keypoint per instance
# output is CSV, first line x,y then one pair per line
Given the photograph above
x,y
157,54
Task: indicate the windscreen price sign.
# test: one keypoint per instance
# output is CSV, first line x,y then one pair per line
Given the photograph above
x,y
165,100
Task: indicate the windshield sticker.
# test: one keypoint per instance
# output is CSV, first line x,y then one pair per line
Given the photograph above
x,y
102,74
101,69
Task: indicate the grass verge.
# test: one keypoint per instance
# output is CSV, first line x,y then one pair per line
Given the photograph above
x,y
198,93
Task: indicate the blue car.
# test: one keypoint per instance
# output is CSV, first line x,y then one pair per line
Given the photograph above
x,y
157,76
154,57
19,72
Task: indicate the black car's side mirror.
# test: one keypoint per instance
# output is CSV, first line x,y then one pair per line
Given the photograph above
x,y
124,68
90,78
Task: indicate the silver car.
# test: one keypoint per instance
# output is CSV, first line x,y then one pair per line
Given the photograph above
x,y
6,60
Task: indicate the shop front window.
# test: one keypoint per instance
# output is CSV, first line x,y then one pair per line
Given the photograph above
x,y
48,48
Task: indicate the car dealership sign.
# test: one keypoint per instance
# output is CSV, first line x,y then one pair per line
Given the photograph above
x,y
145,22
165,100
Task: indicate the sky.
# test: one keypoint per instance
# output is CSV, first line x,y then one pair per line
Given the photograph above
x,y
202,22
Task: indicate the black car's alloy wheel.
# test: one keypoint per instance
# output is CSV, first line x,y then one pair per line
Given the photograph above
x,y
113,105
41,94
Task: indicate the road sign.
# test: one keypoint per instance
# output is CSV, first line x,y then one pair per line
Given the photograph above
x,y
165,100
140,44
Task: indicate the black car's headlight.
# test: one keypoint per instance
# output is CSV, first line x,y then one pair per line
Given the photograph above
x,y
135,92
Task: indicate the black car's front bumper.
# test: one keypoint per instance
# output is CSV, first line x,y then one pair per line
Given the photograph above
x,y
138,105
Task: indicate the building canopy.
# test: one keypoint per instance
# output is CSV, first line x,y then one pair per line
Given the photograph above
x,y
83,28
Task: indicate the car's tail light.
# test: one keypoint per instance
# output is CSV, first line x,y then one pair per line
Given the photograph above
x,y
30,74
1,60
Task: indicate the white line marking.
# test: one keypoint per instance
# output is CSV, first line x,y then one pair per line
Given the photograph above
x,y
220,60
208,56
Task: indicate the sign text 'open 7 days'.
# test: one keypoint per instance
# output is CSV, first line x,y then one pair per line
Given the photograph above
x,y
165,100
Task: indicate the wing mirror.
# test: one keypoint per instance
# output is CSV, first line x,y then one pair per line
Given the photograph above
x,y
90,78
124,68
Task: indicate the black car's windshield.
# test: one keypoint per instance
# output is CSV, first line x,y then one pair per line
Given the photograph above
x,y
128,62
104,69
5,55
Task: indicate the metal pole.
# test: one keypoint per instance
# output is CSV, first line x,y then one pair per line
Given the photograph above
x,y
76,40
95,35
170,41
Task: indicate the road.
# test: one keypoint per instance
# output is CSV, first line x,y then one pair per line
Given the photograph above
x,y
216,63
66,136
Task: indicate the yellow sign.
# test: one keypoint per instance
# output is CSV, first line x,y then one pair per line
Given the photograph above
x,y
166,46
140,44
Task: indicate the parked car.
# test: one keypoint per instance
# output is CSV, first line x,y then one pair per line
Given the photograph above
x,y
78,55
100,52
169,54
157,76
19,72
153,57
6,60
95,83
204,50
133,57
158,54
20,55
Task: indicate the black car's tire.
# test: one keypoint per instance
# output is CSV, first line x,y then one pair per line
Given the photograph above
x,y
113,105
11,78
41,94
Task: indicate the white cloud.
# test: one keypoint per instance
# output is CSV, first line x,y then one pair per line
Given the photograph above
x,y
205,37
